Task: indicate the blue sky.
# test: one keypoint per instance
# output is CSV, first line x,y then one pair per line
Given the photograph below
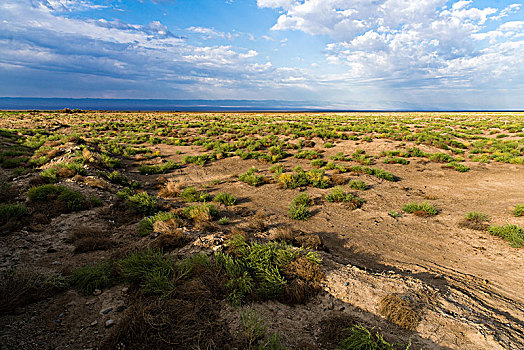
x,y
376,54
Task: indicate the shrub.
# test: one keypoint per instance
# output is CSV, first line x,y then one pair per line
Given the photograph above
x,y
399,310
145,226
338,195
142,202
358,185
458,167
250,177
190,194
317,163
265,270
303,199
158,168
318,179
512,233
441,158
396,160
9,212
44,192
202,212
225,198
423,209
518,210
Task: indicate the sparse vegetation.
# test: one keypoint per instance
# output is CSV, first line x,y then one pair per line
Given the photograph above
x,y
420,209
518,210
514,234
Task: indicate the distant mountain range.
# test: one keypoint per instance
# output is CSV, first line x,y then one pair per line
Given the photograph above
x,y
28,103
31,103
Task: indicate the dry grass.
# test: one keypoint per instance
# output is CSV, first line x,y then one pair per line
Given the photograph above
x,y
399,310
282,234
169,241
304,279
189,321
172,189
86,239
257,222
309,241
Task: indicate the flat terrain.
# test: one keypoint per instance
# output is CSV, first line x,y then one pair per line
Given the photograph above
x,y
454,282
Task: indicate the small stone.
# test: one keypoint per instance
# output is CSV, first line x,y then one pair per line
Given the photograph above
x,y
61,315
58,321
94,323
110,323
108,310
125,290
97,292
121,308
346,284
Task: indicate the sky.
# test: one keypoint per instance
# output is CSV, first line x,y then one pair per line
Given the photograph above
x,y
341,54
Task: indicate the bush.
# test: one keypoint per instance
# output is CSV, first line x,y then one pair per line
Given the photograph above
x,y
225,198
458,167
338,195
202,212
9,212
299,212
251,178
518,210
303,199
512,233
358,185
267,271
73,200
145,226
190,194
396,160
158,168
142,202
44,192
423,209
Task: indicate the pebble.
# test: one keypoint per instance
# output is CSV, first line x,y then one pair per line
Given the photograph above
x,y
61,315
346,284
125,290
108,310
110,323
94,323
121,308
97,292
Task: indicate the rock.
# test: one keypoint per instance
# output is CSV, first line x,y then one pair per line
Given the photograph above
x,y
94,323
51,250
125,290
110,323
97,183
97,292
121,308
106,311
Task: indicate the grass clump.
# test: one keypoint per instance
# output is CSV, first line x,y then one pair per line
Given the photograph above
x,y
97,276
476,216
268,271
142,202
225,198
12,212
514,234
338,195
73,200
298,210
398,310
518,210
251,178
458,167
146,225
358,185
190,194
202,212
360,338
422,209
158,168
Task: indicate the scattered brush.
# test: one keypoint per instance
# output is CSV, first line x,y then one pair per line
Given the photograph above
x,y
252,178
190,194
171,190
298,210
358,185
87,239
399,310
146,225
90,277
12,216
201,212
